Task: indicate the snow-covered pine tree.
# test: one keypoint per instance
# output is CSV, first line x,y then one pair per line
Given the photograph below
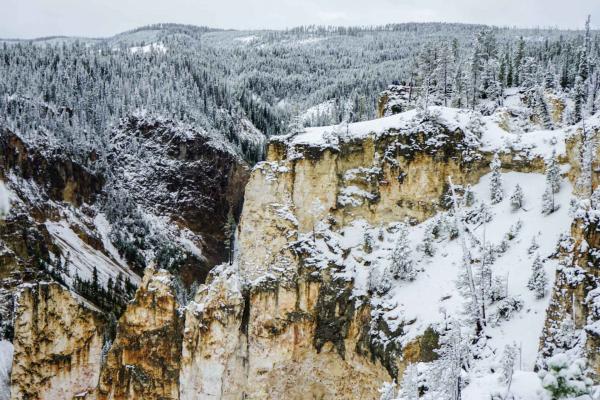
x,y
541,108
467,281
229,234
410,384
548,204
295,126
507,363
454,359
516,198
587,158
427,245
402,266
469,196
533,246
566,377
553,173
496,190
538,279
578,96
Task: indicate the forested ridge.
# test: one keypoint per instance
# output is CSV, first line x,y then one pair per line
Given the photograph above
x,y
71,92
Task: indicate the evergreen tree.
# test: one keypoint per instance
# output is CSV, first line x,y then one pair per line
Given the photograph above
x,y
541,108
516,198
587,159
454,358
548,204
509,358
95,286
533,246
553,173
519,55
410,384
496,190
402,265
578,99
538,279
427,245
229,235
566,377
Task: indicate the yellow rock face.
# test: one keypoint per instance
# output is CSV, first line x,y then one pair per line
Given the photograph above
x,y
296,333
271,326
58,344
143,362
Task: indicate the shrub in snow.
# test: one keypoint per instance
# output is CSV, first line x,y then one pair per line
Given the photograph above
x,y
479,215
380,281
565,377
496,191
595,199
516,198
402,266
538,279
449,225
514,230
506,309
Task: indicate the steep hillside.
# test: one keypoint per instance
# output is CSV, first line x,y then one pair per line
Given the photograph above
x,y
389,250
75,242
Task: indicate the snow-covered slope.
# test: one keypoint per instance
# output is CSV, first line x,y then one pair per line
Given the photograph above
x,y
433,297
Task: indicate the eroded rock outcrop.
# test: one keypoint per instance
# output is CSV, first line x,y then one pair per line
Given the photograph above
x,y
276,325
144,359
58,345
279,322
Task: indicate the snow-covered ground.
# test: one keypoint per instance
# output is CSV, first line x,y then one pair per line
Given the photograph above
x,y
433,296
494,138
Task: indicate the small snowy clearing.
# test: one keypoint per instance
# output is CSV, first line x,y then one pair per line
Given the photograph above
x,y
156,47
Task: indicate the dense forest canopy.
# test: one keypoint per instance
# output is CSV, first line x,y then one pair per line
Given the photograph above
x,y
69,93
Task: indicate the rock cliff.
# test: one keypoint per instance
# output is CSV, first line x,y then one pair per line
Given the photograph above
x,y
58,345
286,318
